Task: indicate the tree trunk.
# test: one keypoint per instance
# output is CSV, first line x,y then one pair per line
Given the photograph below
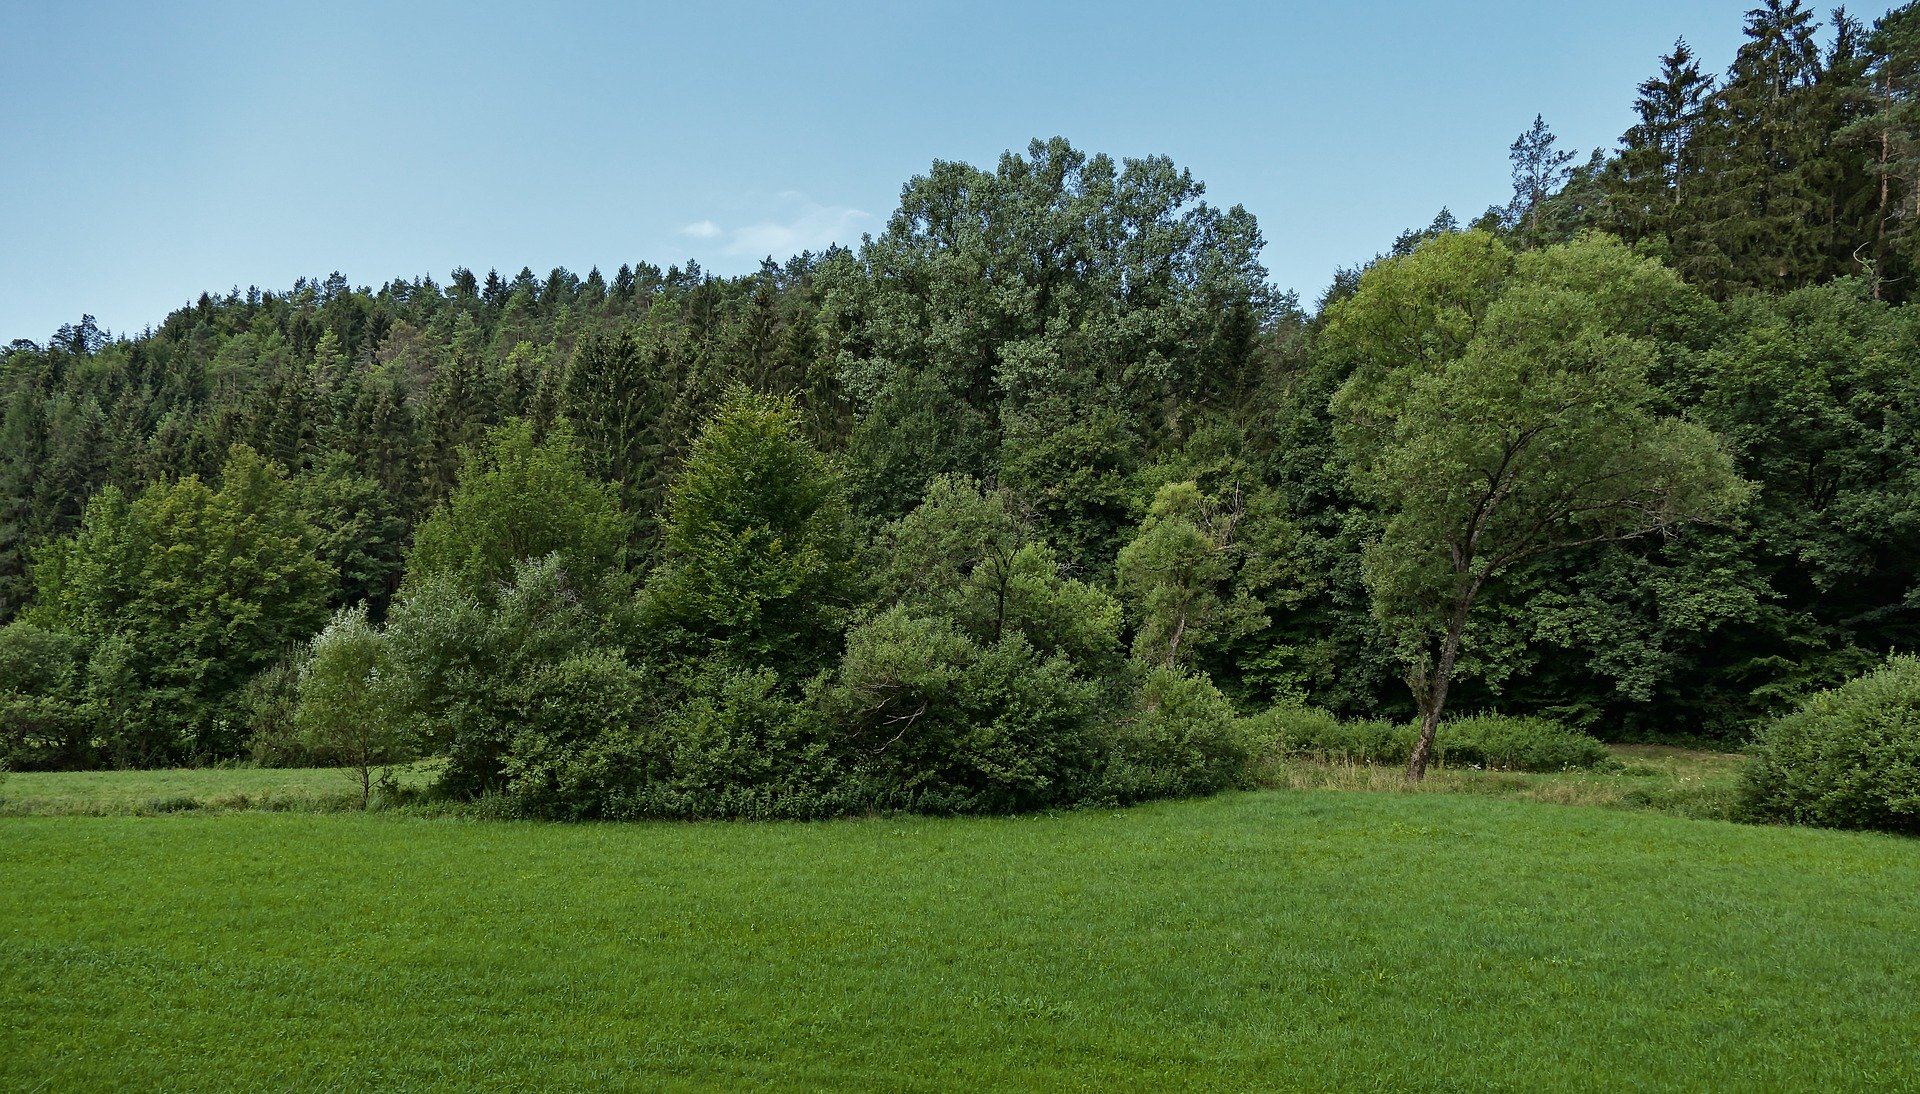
x,y
1880,225
1179,631
1430,689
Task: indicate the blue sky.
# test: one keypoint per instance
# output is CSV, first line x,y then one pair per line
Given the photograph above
x,y
151,153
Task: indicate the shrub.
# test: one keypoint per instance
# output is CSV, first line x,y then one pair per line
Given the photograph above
x,y
1497,742
739,745
43,732
1182,739
946,725
584,738
456,667
1848,758
1503,742
1312,733
43,723
268,705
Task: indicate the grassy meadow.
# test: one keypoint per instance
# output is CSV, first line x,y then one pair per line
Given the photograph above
x,y
145,793
1304,938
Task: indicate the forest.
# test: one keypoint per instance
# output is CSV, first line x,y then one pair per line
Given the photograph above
x,y
1042,495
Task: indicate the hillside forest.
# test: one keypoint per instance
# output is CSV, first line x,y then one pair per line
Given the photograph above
x,y
1030,499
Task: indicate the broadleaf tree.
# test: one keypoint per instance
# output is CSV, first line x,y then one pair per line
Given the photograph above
x,y
1540,433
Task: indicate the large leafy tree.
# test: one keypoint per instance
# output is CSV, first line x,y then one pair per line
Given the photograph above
x,y
519,498
186,592
1508,436
1822,408
1175,574
1059,290
976,556
759,551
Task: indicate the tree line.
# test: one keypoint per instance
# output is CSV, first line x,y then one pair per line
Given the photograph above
x,y
1634,452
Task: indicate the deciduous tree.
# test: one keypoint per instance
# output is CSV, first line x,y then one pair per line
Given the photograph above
x,y
1537,432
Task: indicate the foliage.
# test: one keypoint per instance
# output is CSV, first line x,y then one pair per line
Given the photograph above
x,y
356,531
182,595
1051,385
1180,739
1313,733
343,716
1174,570
455,667
1848,758
949,725
1037,324
584,737
759,553
738,745
269,706
1538,433
1500,742
521,498
44,722
1496,742
977,557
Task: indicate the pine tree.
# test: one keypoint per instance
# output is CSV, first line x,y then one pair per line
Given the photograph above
x,y
1539,171
1840,170
614,400
1657,169
1889,133
1762,206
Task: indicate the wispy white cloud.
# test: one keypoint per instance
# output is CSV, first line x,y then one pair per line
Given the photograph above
x,y
807,226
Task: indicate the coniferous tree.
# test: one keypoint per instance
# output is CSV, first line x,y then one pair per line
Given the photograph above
x,y
1760,215
1657,170
1889,132
1539,171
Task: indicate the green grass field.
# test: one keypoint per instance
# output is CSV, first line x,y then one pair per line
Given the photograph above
x,y
144,793
1673,780
1275,939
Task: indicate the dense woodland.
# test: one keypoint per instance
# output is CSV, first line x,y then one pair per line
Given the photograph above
x,y
1011,504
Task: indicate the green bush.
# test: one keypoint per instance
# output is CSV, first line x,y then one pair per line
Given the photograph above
x,y
739,745
455,666
1311,733
942,724
268,705
44,724
1497,742
1182,739
1504,742
44,732
1848,758
584,738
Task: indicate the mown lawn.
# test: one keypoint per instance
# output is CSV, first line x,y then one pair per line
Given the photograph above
x,y
1303,939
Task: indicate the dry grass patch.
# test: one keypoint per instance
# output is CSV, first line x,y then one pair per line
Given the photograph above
x,y
1684,782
